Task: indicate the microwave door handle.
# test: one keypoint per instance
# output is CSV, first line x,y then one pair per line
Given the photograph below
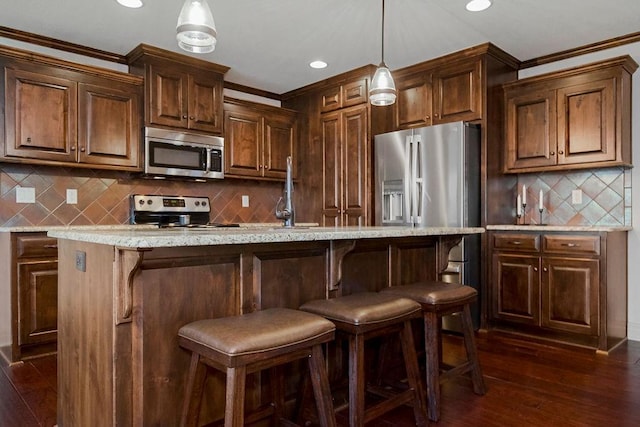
x,y
207,160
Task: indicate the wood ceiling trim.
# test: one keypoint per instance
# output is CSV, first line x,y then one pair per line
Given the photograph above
x,y
45,41
582,50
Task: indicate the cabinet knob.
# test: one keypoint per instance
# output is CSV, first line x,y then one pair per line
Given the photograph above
x,y
553,153
436,115
535,269
545,269
428,117
192,118
73,148
82,149
266,167
560,152
260,166
28,140
184,117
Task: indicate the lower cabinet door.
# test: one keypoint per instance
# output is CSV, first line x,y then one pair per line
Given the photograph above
x,y
570,295
517,288
37,302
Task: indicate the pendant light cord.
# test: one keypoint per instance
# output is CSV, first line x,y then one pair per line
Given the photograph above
x,y
383,31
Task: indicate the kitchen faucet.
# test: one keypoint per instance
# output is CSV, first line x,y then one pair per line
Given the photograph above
x,y
287,213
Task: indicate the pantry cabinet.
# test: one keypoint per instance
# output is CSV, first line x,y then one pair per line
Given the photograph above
x,y
576,118
258,139
58,113
181,92
560,286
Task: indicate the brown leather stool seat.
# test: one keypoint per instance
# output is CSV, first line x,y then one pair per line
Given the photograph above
x,y
239,345
439,299
362,316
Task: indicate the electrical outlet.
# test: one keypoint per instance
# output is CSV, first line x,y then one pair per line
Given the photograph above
x,y
245,201
72,196
25,195
576,197
81,261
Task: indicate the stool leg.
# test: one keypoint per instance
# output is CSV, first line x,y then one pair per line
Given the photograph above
x,y
413,374
356,380
234,402
276,382
431,333
321,390
193,393
472,352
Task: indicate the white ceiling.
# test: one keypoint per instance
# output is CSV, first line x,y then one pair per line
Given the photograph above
x,y
269,43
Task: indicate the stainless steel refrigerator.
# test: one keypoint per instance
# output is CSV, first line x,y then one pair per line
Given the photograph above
x,y
430,177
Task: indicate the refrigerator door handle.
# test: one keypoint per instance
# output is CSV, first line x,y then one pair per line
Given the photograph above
x,y
416,181
408,179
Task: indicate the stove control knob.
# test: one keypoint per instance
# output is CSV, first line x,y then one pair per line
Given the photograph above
x,y
197,203
141,202
149,202
204,203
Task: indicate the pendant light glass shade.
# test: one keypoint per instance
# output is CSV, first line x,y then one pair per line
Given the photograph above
x,y
383,90
196,29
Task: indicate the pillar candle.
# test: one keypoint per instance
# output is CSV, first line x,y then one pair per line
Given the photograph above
x,y
540,198
524,194
518,205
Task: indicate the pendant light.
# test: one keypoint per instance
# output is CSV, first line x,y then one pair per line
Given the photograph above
x,y
196,29
383,89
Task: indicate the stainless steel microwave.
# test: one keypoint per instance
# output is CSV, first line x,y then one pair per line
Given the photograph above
x,y
176,153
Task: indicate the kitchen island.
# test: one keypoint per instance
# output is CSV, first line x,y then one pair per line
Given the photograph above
x,y
123,295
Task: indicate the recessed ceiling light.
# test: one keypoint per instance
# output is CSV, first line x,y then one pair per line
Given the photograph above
x,y
318,64
131,3
478,5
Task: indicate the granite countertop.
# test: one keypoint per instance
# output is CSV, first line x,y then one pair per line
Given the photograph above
x,y
173,237
42,228
578,228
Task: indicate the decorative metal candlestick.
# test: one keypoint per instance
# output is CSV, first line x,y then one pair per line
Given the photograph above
x,y
540,210
524,214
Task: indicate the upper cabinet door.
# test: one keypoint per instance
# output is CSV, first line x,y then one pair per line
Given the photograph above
x,y
243,143
457,92
205,103
278,145
531,128
169,92
413,103
109,125
586,123
40,116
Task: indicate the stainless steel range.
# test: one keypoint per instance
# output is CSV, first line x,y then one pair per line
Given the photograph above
x,y
171,211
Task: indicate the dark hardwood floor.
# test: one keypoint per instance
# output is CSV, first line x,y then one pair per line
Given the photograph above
x,y
528,385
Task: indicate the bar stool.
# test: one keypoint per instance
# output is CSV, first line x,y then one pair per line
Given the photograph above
x,y
439,299
239,345
363,316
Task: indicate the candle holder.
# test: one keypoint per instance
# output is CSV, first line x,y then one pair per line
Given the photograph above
x,y
524,214
518,216
540,210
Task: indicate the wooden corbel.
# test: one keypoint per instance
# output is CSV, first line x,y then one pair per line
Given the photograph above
x,y
337,251
128,264
445,244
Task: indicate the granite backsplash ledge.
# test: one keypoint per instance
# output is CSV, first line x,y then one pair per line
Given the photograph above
x,y
103,196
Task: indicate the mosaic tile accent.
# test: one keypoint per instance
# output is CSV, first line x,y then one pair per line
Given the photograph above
x,y
606,197
103,196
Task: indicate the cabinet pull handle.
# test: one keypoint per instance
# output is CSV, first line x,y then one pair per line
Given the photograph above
x,y
29,140
570,245
515,242
55,246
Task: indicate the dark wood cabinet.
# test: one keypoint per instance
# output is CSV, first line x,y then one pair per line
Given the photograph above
x,y
344,95
31,271
345,148
571,119
445,93
58,115
554,286
258,139
180,91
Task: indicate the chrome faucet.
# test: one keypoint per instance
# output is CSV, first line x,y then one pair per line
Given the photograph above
x,y
287,213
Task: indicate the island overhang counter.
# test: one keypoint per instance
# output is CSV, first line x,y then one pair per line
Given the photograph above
x,y
123,295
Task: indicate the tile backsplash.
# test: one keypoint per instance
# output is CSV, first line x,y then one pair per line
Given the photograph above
x,y
103,196
606,197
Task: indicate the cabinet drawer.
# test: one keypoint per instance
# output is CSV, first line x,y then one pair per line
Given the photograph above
x,y
572,244
36,246
524,242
